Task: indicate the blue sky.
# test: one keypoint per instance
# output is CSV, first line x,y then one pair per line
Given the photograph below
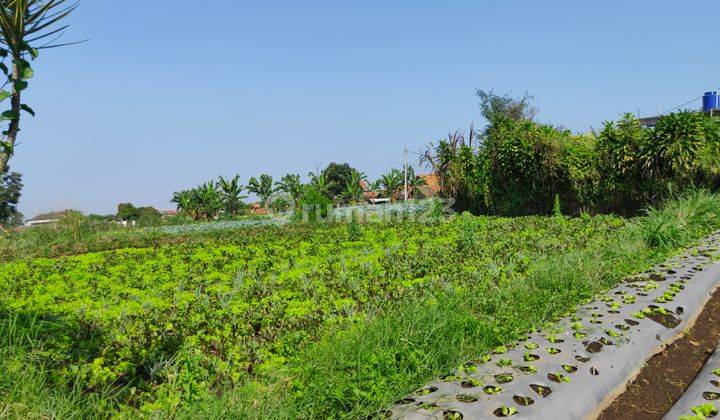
x,y
166,94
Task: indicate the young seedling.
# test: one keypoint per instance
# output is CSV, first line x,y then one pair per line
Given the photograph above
x,y
553,339
470,383
527,369
453,415
504,362
529,357
503,378
500,350
531,346
492,390
577,326
426,390
705,411
468,368
505,411
612,333
569,368
638,315
558,377
552,350
628,298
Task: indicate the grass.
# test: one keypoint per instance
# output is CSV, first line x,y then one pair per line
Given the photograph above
x,y
358,369
24,384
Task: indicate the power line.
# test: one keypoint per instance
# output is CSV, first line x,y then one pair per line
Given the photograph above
x,y
680,106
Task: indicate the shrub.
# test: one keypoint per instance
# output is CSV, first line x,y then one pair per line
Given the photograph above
x,y
314,206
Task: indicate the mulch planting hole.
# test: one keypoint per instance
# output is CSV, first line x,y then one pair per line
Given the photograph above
x,y
523,401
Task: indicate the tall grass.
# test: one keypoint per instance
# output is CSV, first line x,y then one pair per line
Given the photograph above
x,y
680,220
24,392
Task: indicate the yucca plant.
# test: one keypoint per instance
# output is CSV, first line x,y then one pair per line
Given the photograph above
x,y
674,145
26,26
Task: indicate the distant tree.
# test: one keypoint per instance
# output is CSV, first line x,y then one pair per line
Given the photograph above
x,y
321,184
290,184
184,201
338,174
10,192
25,26
145,216
263,188
149,216
353,190
391,183
128,212
414,181
279,204
231,194
203,202
494,106
208,200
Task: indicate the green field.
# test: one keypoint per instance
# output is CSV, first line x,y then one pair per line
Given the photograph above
x,y
304,321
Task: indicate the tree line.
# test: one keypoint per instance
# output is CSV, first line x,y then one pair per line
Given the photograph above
x,y
518,166
338,183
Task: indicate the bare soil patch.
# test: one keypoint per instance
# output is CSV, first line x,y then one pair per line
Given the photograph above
x,y
667,374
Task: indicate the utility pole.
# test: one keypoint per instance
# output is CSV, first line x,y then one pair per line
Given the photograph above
x,y
405,152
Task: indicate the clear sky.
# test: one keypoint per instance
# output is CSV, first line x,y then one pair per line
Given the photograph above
x,y
170,93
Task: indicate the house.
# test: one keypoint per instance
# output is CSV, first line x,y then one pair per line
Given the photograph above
x,y
257,209
45,218
431,187
168,213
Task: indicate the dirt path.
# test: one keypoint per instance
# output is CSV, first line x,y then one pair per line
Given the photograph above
x,y
666,376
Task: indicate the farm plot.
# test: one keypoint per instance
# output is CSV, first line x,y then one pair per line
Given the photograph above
x,y
575,367
300,321
164,324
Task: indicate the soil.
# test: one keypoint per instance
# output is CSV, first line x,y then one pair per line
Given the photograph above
x,y
667,375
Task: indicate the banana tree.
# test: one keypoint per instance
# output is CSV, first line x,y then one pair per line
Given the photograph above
x,y
262,188
353,191
290,184
231,194
321,183
414,181
26,26
391,183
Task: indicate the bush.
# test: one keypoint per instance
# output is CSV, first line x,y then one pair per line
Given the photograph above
x,y
314,206
519,166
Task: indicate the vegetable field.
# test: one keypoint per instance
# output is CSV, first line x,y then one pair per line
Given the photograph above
x,y
289,314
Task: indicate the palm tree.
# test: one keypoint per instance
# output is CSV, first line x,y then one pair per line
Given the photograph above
x,y
321,184
290,184
22,24
231,194
441,157
262,188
